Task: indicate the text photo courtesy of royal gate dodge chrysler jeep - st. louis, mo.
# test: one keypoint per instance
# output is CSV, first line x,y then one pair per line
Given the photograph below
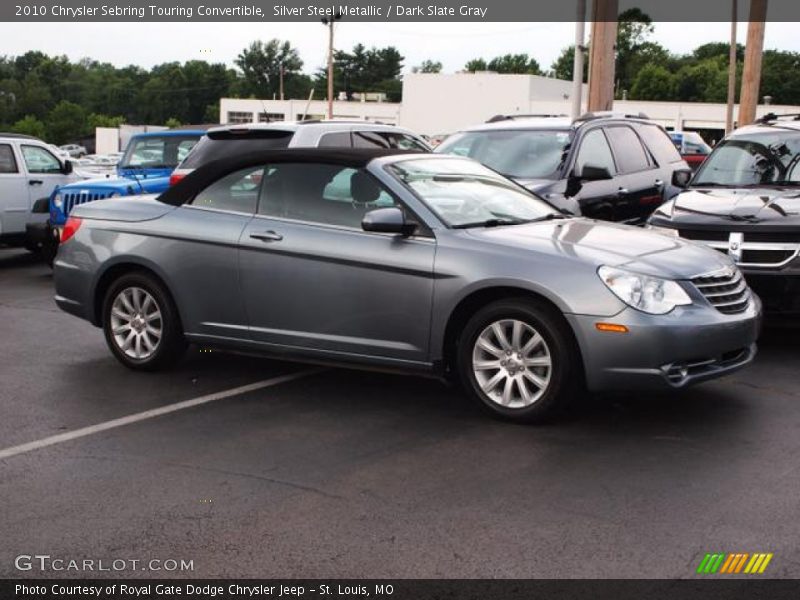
x,y
488,300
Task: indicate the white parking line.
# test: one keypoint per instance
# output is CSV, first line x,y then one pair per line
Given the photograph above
x,y
151,414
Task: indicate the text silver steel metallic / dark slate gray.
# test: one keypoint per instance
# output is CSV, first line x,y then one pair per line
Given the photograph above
x,y
451,269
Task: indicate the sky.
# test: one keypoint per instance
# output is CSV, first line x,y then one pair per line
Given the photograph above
x,y
453,44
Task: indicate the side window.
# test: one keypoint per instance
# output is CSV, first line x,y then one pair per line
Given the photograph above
x,y
661,144
8,164
369,139
340,139
595,151
236,192
406,142
628,149
39,160
319,193
184,147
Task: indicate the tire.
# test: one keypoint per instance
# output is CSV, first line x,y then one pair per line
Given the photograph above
x,y
49,250
141,323
528,379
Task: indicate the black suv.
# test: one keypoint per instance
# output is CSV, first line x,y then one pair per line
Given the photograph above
x,y
602,165
745,201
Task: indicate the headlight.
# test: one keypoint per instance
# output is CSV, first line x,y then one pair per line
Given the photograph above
x,y
648,294
668,231
58,201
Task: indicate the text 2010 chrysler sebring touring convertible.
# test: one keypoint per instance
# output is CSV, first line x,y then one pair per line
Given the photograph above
x,y
412,261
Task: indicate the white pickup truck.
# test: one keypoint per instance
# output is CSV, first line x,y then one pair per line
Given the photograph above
x,y
28,173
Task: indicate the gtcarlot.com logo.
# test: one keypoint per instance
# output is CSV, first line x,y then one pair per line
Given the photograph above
x,y
734,563
45,562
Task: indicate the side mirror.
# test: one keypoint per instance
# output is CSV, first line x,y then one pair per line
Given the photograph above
x,y
67,168
593,173
681,178
387,220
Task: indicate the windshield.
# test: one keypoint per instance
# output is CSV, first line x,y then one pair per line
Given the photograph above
x,y
464,193
518,153
157,152
755,159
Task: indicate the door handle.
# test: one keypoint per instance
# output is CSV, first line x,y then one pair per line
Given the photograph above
x,y
659,183
267,236
35,182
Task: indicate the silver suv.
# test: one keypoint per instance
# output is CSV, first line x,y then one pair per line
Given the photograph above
x,y
232,140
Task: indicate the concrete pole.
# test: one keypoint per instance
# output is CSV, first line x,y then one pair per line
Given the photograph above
x,y
751,77
330,68
601,56
577,64
731,70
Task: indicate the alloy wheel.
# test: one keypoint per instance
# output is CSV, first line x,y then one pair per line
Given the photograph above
x,y
136,323
512,363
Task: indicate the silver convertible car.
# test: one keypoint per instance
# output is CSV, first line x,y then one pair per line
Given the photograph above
x,y
394,260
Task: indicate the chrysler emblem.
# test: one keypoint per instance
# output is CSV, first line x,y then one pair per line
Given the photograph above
x,y
735,246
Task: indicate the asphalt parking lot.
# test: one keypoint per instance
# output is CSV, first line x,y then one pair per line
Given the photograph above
x,y
348,474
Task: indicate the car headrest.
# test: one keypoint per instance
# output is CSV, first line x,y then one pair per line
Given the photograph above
x,y
363,188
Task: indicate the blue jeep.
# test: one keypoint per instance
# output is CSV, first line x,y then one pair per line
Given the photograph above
x,y
145,168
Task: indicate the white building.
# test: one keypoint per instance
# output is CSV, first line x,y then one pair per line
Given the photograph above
x,y
438,103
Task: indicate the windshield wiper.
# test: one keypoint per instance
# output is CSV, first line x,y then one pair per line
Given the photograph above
x,y
548,217
499,221
495,222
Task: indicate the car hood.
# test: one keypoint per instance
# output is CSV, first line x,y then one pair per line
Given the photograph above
x,y
599,243
126,208
533,185
726,206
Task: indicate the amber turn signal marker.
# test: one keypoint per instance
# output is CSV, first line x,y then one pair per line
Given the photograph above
x,y
612,327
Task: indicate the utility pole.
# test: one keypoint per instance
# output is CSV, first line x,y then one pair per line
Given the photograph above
x,y
281,81
329,22
732,59
577,63
601,55
751,77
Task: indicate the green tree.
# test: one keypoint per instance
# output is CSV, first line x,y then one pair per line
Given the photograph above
x,y
780,76
428,66
563,65
515,63
95,120
30,125
653,82
172,123
475,65
66,122
261,65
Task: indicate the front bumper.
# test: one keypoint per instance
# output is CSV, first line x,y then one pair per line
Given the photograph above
x,y
689,345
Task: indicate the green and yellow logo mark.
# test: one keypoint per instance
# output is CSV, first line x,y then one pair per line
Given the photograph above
x,y
735,562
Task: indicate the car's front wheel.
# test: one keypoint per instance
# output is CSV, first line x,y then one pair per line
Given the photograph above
x,y
141,323
518,360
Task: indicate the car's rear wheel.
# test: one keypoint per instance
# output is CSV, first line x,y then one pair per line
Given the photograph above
x,y
518,360
141,323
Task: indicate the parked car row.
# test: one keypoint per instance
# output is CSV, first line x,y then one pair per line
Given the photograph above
x,y
349,242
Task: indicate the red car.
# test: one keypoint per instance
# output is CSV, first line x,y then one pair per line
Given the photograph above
x,y
692,147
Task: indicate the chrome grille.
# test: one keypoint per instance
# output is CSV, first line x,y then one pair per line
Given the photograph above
x,y
725,290
73,199
756,249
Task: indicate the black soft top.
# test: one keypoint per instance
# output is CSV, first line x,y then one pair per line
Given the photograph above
x,y
204,176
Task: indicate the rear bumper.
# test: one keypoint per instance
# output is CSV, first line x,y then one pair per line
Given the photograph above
x,y
673,351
